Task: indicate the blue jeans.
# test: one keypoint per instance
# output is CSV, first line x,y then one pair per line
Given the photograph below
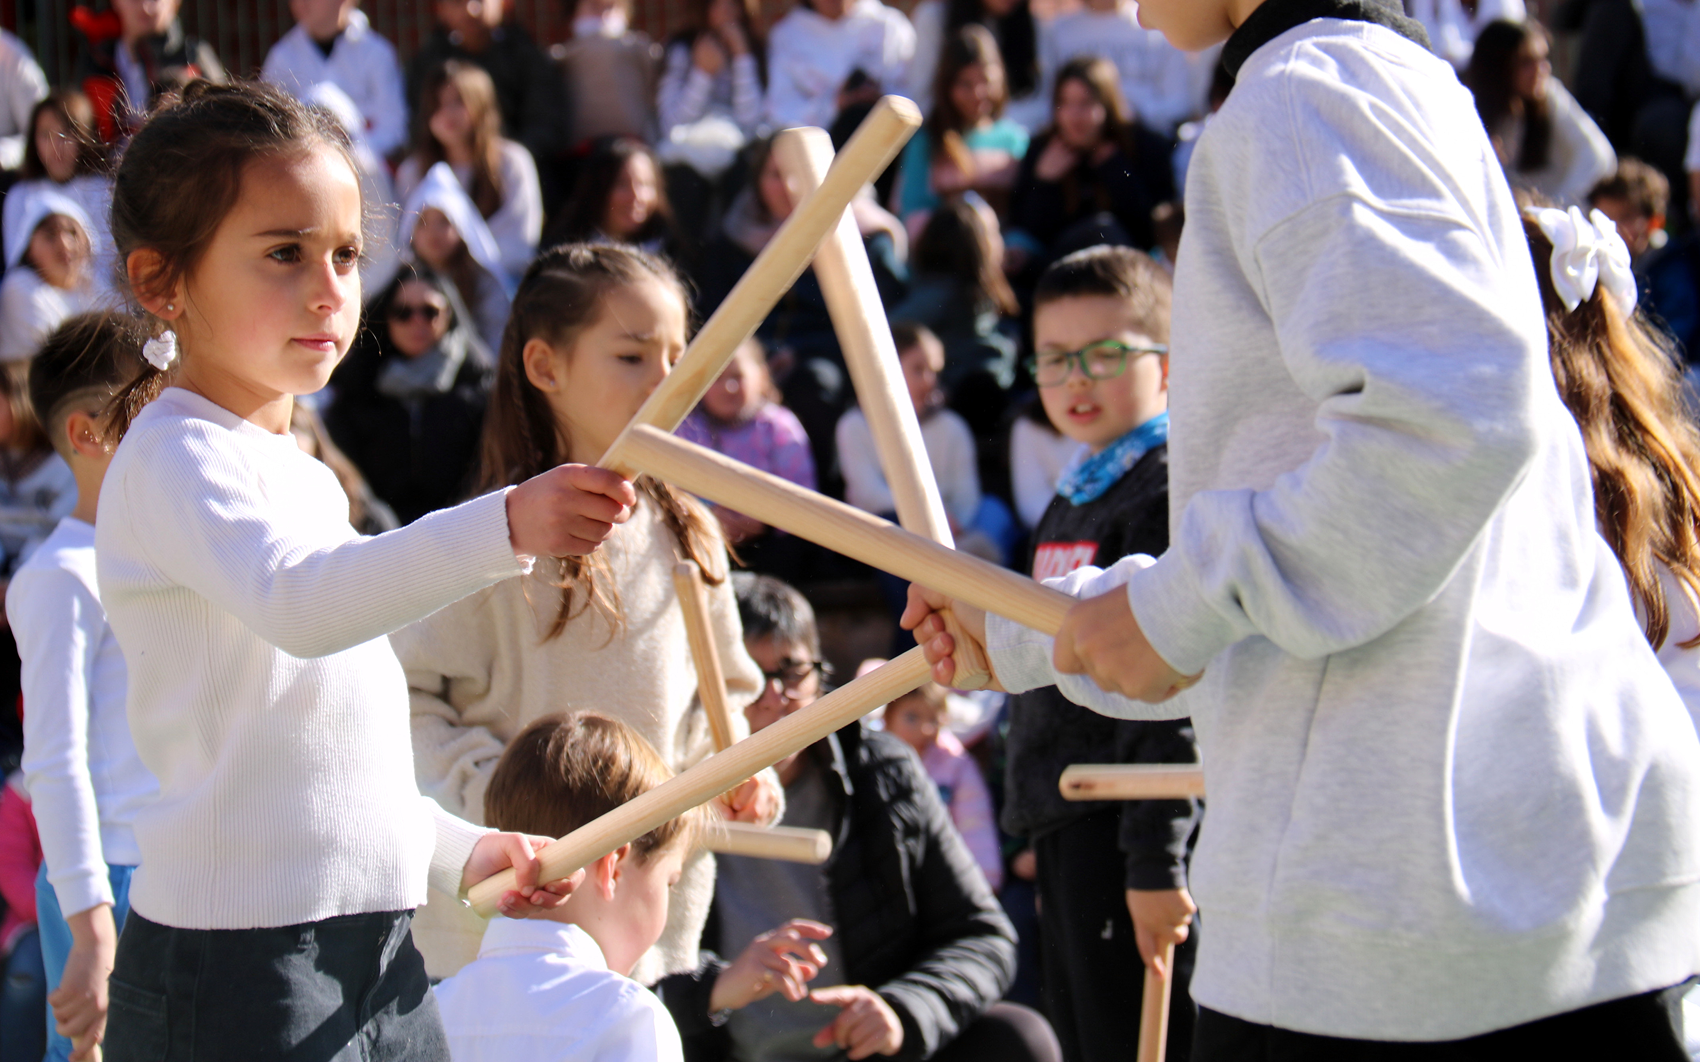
x,y
21,998
345,989
56,940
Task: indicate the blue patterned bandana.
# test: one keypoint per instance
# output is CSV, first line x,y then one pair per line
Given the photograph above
x,y
1087,477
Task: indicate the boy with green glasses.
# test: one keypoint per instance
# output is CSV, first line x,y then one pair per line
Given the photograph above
x,y
1100,319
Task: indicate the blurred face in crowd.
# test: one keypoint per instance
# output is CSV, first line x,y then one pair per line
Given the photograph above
x,y
913,721
737,393
58,145
634,197
473,18
59,251
1533,69
1635,227
975,91
775,193
797,686
451,122
1097,412
922,364
997,8
724,13
435,239
1080,115
322,19
419,318
145,18
595,386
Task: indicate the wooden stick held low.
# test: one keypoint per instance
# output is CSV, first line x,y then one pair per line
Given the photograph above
x,y
790,844
1154,1010
870,353
699,631
875,143
850,531
1132,781
715,775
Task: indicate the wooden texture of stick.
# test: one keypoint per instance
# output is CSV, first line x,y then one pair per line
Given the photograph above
x,y
1132,781
789,844
715,775
850,531
875,143
711,680
1154,1011
870,353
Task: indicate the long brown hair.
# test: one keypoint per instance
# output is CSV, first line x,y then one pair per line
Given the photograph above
x,y
1622,385
76,114
973,45
1100,78
1491,77
560,296
957,242
478,93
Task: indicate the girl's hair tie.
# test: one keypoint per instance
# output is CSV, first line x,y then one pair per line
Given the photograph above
x,y
1587,252
161,351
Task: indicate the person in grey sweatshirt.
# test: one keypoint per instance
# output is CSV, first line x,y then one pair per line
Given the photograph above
x,y
1453,796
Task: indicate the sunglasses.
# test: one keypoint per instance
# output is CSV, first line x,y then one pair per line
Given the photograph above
x,y
402,314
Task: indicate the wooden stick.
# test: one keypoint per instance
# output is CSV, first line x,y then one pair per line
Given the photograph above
x,y
1154,1010
715,775
858,317
1132,781
790,844
847,530
711,680
875,143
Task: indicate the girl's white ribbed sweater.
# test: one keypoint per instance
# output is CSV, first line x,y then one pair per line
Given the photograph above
x,y
481,671
263,693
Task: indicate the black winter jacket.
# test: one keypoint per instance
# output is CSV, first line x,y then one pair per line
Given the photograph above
x,y
916,920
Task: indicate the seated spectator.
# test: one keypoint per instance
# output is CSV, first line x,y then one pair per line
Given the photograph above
x,y
918,719
22,86
132,52
1093,177
37,490
49,270
957,289
920,948
528,87
333,41
64,153
409,398
611,72
802,346
457,123
967,145
442,230
1454,25
1156,80
619,198
1635,199
741,417
1038,453
1011,24
23,993
823,50
1545,141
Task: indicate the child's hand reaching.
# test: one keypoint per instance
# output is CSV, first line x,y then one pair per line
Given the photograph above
x,y
1101,639
756,800
497,852
782,960
925,615
866,1026
567,511
79,1003
1160,918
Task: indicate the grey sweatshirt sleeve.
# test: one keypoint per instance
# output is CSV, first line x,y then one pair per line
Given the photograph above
x,y
1427,406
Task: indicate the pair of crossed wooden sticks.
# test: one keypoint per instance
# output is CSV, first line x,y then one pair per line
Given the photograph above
x,y
822,230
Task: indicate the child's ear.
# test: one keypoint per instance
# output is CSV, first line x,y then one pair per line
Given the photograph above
x,y
144,268
609,869
542,367
85,435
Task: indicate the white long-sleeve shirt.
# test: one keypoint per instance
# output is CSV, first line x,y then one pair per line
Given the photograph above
x,y
263,693
542,990
1156,78
687,94
86,781
1451,790
950,452
22,86
808,58
362,64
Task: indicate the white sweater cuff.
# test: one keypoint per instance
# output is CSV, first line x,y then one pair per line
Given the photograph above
x,y
1175,618
81,890
456,838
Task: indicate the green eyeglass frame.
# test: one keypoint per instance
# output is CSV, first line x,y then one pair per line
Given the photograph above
x,y
1100,361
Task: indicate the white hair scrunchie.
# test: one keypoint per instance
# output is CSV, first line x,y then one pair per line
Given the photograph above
x,y
161,351
1587,252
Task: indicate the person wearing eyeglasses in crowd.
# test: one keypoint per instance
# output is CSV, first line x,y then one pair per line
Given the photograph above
x,y
920,952
408,402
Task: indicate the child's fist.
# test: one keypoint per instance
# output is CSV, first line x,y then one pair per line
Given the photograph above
x,y
1161,918
756,800
1101,639
567,511
866,1026
782,960
927,614
496,852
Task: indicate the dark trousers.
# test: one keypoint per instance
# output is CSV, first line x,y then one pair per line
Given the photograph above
x,y
1008,1032
1093,976
1646,1028
348,989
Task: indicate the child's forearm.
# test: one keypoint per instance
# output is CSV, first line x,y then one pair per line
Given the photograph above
x,y
93,928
